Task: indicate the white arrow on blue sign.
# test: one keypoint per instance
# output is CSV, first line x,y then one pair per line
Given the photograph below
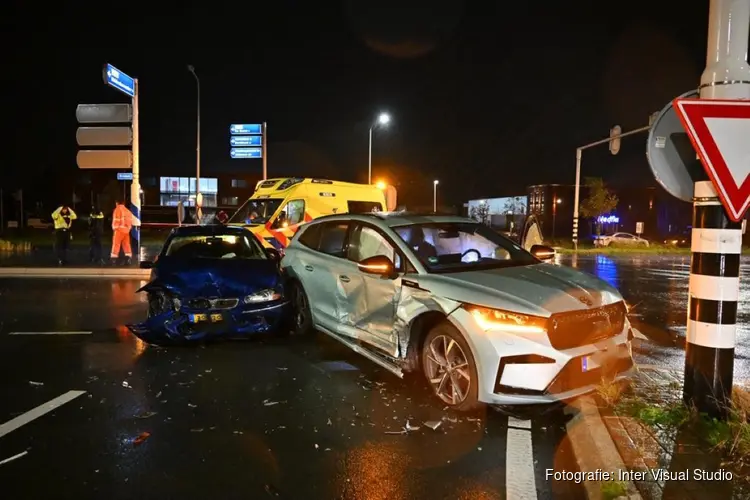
x,y
119,80
245,153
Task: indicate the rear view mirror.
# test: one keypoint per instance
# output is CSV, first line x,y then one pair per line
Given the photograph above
x,y
543,252
379,265
273,254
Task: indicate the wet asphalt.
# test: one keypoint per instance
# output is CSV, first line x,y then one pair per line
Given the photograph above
x,y
269,417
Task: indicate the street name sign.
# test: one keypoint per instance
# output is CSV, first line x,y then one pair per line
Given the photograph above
x,y
124,176
720,132
246,129
107,159
244,153
119,80
104,113
104,136
246,140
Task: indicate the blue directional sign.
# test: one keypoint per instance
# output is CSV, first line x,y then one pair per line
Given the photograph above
x,y
246,129
246,140
245,153
124,176
119,80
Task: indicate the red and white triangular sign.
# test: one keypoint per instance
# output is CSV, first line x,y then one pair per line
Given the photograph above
x,y
720,132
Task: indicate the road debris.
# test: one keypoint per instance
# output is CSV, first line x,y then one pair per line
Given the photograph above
x,y
282,368
126,385
31,382
158,395
329,422
316,446
14,457
452,420
410,427
433,424
146,414
191,405
196,430
142,437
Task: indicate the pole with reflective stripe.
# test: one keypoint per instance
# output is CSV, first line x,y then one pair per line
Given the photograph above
x,y
135,185
716,241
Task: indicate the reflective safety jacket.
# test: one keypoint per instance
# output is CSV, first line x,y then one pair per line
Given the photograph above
x,y
63,220
96,223
122,219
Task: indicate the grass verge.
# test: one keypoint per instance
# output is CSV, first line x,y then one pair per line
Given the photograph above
x,y
661,408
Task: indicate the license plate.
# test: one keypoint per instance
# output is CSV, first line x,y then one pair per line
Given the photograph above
x,y
215,318
198,318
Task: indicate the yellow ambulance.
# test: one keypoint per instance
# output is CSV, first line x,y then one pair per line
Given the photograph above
x,y
279,206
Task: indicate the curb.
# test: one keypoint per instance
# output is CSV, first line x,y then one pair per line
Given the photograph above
x,y
594,447
73,272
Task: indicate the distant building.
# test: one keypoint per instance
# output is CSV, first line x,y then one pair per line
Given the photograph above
x,y
504,213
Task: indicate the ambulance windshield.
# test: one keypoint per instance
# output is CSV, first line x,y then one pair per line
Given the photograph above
x,y
256,211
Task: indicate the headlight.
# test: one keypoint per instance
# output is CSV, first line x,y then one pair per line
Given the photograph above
x,y
267,295
493,319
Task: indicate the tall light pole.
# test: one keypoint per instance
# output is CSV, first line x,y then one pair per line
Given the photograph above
x,y
383,119
434,195
557,201
198,197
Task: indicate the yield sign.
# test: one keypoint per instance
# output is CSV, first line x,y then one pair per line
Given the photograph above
x,y
720,132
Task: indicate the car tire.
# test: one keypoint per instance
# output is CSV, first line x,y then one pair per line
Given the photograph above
x,y
301,323
435,365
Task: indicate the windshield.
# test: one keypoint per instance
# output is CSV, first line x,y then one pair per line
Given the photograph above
x,y
256,211
214,247
458,246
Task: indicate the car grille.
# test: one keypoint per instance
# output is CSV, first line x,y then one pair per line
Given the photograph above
x,y
574,329
212,303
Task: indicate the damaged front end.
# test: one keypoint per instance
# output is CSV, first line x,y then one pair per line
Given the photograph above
x,y
183,314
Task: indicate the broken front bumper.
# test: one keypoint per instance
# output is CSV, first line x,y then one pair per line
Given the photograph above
x,y
188,324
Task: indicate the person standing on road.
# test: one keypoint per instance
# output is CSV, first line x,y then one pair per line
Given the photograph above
x,y
63,217
122,222
96,231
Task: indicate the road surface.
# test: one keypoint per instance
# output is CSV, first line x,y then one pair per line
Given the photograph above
x,y
266,418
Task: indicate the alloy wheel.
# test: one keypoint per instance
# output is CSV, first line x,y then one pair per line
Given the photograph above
x,y
447,369
300,303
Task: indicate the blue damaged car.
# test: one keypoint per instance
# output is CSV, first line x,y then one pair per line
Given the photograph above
x,y
212,281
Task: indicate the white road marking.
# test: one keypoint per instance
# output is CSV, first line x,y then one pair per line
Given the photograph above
x,y
50,333
31,415
14,457
520,480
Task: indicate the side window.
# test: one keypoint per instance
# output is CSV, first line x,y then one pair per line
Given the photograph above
x,y
310,236
361,207
333,238
367,242
292,213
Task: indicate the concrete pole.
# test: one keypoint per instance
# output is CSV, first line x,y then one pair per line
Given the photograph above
x,y
716,241
135,186
579,153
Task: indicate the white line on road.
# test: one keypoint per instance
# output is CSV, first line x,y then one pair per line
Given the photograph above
x,y
520,479
29,416
50,333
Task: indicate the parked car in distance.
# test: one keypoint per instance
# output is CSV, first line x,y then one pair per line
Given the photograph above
x,y
211,281
481,318
679,240
621,239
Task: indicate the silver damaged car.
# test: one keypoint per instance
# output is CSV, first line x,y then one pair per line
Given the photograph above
x,y
484,321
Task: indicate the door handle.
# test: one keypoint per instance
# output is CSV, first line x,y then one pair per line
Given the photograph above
x,y
344,279
308,268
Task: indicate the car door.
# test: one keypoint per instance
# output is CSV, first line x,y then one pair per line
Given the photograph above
x,y
374,299
323,270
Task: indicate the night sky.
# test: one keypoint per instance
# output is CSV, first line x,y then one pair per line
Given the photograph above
x,y
488,97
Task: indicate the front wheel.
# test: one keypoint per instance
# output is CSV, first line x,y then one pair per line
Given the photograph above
x,y
450,369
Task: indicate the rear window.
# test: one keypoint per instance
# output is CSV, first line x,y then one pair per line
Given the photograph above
x,y
361,207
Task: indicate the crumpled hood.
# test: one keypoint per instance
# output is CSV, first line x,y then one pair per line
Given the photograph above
x,y
216,277
540,289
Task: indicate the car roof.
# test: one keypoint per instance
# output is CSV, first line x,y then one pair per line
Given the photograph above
x,y
208,230
394,219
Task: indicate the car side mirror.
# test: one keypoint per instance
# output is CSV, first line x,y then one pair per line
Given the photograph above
x,y
273,254
379,265
543,252
146,264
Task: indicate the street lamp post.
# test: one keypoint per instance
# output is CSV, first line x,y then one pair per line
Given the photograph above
x,y
383,119
198,197
434,195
